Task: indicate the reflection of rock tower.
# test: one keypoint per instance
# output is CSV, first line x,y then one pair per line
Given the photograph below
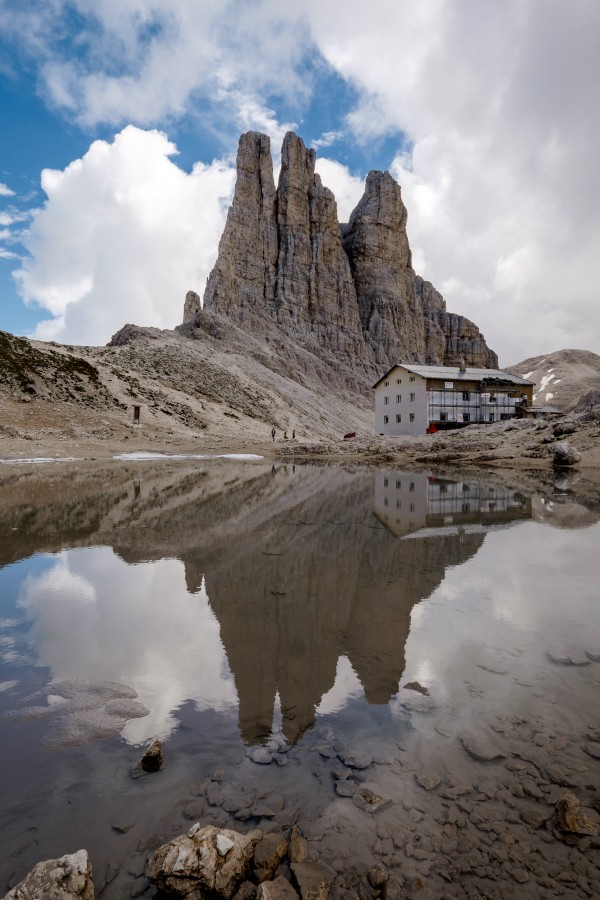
x,y
321,581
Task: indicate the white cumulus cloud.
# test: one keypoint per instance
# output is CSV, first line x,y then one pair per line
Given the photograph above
x,y
493,106
123,234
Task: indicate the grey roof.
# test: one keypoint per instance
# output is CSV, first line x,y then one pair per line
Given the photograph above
x,y
544,409
453,373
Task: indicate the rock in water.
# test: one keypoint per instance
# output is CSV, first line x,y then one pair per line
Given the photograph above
x,y
152,760
192,865
66,878
346,293
569,817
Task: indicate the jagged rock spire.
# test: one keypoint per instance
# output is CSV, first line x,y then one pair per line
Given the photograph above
x,y
285,262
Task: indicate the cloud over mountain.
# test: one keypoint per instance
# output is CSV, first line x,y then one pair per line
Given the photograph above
x,y
123,235
491,108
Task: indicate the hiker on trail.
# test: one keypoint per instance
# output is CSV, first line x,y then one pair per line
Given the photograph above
x,y
273,433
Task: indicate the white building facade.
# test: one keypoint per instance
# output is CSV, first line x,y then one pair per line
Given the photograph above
x,y
411,398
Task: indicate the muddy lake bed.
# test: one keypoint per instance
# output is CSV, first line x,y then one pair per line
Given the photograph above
x,y
404,664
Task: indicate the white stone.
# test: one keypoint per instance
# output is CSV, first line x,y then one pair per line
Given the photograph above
x,y
224,844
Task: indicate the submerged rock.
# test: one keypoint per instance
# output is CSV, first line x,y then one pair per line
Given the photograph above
x,y
481,748
66,878
81,711
415,686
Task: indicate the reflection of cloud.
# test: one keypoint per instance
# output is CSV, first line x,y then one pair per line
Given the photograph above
x,y
345,687
488,626
96,618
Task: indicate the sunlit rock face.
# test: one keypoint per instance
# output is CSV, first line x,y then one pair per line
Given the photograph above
x,y
347,292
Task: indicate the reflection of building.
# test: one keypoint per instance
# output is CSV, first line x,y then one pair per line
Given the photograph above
x,y
409,399
409,501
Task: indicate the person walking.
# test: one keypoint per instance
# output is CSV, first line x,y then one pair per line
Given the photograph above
x,y
273,433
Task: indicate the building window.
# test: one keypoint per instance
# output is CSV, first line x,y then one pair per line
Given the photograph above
x,y
492,398
412,508
448,385
491,417
398,417
412,397
398,398
386,419
466,417
387,384
398,484
412,378
466,395
398,381
412,417
411,486
443,417
385,501
443,488
398,504
385,482
386,400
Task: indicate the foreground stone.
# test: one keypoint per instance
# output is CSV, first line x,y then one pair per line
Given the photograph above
x,y
192,865
570,818
313,878
280,889
57,879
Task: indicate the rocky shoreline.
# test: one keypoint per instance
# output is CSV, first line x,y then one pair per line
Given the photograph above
x,y
519,818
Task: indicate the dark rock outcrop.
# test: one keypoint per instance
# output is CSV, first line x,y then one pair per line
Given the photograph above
x,y
347,293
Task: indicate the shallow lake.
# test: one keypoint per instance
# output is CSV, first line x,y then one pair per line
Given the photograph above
x,y
407,665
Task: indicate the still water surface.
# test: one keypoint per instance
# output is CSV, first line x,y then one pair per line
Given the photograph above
x,y
264,622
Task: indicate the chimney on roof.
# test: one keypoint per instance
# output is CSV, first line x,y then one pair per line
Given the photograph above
x,y
462,365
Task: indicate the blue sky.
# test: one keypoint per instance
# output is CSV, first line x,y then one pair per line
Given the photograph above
x,y
485,113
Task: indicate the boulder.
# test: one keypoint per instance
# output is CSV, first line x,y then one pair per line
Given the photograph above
x,y
298,846
564,454
268,854
209,859
66,878
313,879
569,817
280,889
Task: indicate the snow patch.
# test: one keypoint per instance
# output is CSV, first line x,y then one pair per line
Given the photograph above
x,y
39,459
549,397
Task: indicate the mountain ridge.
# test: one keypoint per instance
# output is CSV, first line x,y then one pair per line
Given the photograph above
x,y
568,379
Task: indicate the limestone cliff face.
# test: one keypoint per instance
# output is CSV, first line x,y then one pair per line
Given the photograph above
x,y
242,282
349,291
